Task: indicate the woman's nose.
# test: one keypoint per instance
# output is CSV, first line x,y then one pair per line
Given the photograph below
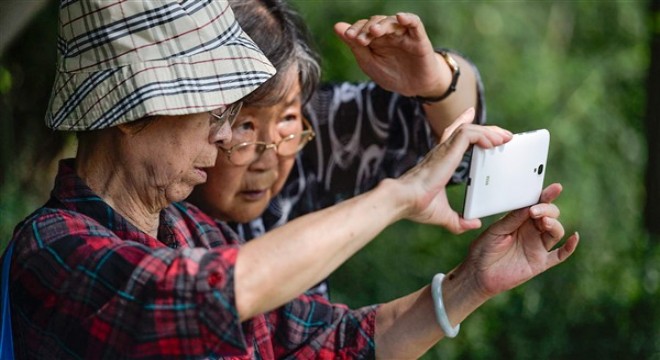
x,y
222,134
266,158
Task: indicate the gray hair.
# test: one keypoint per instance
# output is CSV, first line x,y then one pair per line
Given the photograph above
x,y
283,37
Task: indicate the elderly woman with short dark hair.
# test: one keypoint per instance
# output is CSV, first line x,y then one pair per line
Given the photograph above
x,y
115,266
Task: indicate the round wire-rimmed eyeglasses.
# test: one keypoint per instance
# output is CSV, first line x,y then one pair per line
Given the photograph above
x,y
246,152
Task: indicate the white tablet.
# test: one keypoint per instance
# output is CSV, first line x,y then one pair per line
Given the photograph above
x,y
507,177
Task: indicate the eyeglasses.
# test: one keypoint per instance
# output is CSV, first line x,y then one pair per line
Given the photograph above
x,y
228,114
247,152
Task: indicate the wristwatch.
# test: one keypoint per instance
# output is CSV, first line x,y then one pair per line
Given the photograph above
x,y
455,73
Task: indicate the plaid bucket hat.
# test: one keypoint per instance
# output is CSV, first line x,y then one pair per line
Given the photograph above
x,y
123,60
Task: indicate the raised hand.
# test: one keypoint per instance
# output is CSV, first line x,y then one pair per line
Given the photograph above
x,y
519,246
395,52
424,185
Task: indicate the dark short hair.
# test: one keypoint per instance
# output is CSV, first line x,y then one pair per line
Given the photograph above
x,y
283,37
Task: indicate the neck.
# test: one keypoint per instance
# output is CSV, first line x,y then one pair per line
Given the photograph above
x,y
122,187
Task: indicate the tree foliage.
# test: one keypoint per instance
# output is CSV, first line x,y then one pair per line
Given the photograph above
x,y
577,69
652,206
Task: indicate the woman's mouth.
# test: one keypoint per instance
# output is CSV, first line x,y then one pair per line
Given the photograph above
x,y
253,195
201,174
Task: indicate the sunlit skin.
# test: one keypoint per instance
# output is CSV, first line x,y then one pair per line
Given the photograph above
x,y
242,193
151,166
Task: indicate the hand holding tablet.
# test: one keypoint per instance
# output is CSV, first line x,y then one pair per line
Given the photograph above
x,y
507,177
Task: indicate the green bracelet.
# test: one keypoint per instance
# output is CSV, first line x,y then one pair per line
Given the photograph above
x,y
440,312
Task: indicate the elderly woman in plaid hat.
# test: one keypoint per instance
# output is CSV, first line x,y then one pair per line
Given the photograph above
x,y
115,266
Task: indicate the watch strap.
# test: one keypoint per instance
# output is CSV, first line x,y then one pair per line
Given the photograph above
x,y
455,73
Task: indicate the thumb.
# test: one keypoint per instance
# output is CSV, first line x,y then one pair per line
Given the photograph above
x,y
511,222
465,225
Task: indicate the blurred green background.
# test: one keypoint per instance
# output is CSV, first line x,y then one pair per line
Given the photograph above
x,y
577,68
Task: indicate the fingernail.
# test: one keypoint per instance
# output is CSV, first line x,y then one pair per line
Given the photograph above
x,y
350,32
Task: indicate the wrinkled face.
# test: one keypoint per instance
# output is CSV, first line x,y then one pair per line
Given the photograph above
x,y
241,193
172,154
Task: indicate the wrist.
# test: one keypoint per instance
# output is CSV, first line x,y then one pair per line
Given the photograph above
x,y
443,91
396,193
461,294
442,319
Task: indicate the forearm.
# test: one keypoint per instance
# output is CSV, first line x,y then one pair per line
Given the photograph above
x,y
406,327
441,114
275,268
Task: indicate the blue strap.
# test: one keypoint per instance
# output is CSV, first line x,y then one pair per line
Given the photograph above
x,y
6,341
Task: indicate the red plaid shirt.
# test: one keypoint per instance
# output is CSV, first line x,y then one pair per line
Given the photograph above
x,y
86,283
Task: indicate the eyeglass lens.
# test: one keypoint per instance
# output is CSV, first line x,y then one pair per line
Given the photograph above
x,y
229,114
245,153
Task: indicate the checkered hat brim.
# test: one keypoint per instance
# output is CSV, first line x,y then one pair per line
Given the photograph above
x,y
123,60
